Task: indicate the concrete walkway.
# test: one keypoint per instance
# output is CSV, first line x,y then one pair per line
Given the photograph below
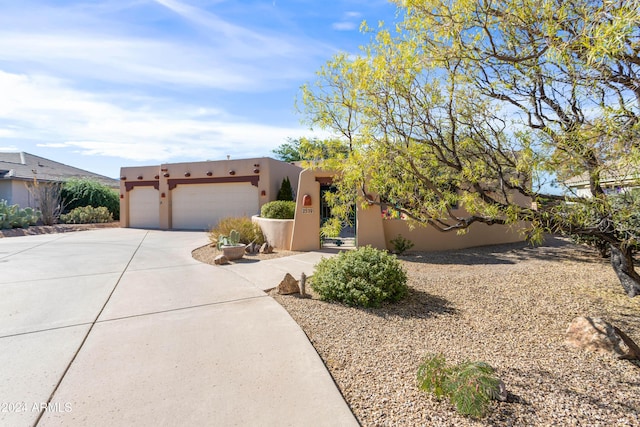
x,y
119,327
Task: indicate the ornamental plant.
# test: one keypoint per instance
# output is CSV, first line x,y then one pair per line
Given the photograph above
x,y
364,277
401,244
87,215
77,193
286,191
470,386
11,216
248,230
279,209
233,239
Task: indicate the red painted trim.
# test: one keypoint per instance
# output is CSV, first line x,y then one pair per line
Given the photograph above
x,y
131,184
173,183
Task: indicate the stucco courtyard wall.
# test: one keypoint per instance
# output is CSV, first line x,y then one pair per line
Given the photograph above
x,y
429,239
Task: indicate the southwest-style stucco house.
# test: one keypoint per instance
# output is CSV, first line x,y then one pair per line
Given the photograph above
x,y
196,195
19,170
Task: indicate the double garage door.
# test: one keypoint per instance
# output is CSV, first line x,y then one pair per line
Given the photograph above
x,y
194,206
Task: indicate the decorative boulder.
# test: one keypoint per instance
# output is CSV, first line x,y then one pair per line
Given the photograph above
x,y
266,248
288,286
220,260
597,335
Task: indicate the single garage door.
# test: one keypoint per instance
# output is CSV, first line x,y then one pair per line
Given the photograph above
x,y
144,208
201,206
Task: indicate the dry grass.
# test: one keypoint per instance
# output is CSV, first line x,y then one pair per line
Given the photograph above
x,y
507,305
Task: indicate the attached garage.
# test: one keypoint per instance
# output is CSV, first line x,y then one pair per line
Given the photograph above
x,y
143,207
197,195
201,206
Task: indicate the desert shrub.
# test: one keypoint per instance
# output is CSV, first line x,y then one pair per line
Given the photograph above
x,y
285,192
364,277
86,192
11,216
249,231
470,386
401,244
279,209
48,196
87,215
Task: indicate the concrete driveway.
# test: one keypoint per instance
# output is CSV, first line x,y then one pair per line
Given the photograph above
x,y
122,327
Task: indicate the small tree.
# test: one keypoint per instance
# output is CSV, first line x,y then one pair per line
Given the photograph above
x,y
286,192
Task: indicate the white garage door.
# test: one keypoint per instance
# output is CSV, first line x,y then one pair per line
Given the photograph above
x,y
144,208
201,206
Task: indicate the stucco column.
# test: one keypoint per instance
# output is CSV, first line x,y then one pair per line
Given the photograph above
x,y
124,204
165,197
306,225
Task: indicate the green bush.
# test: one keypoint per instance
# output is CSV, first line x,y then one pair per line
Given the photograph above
x,y
87,215
363,277
285,192
401,244
470,386
279,209
249,231
86,192
11,216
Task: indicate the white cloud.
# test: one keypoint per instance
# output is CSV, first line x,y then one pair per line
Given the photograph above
x,y
78,42
45,109
349,22
149,80
344,26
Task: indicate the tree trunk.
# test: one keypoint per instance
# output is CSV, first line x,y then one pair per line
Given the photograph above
x,y
622,263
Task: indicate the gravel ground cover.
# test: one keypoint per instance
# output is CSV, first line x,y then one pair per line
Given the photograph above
x,y
52,229
507,305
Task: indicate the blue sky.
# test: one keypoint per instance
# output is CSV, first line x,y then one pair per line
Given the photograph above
x,y
100,84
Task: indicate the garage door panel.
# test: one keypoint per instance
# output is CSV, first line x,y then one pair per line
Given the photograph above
x,y
201,206
144,209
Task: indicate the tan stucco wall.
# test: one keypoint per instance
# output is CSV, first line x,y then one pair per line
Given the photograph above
x,y
269,173
370,227
430,239
277,171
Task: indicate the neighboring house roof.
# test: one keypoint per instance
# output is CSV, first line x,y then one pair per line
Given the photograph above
x,y
612,177
25,166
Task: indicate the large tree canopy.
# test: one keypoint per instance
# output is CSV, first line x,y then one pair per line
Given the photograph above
x,y
474,104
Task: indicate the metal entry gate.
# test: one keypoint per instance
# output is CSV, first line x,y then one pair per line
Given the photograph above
x,y
348,232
